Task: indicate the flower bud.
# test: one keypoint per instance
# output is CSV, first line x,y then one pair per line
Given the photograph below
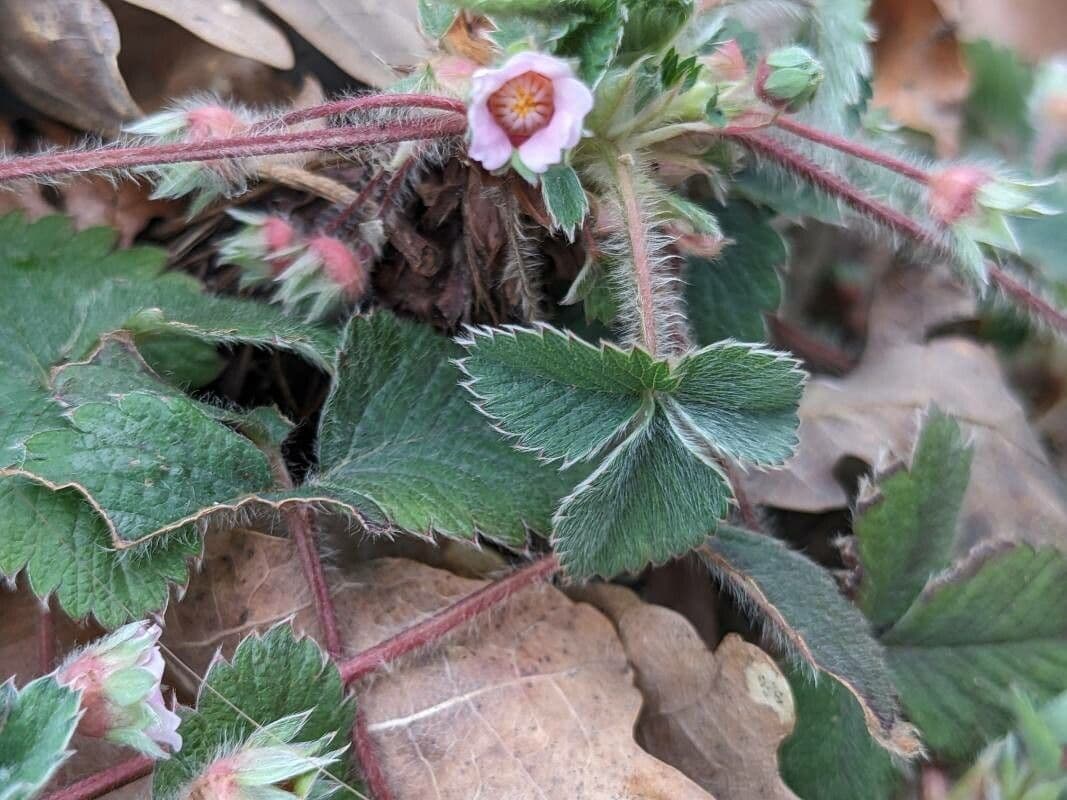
x,y
263,247
268,764
788,78
119,680
325,276
726,64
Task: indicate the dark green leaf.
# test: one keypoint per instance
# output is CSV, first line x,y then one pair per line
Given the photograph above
x,y
36,725
564,198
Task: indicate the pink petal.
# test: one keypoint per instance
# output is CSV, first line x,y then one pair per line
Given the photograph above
x,y
489,144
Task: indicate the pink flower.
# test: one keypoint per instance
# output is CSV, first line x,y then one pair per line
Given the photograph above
x,y
118,677
533,105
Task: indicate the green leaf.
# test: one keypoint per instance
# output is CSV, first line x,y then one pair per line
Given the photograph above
x,y
996,110
148,462
184,362
270,677
830,730
649,500
558,395
36,725
739,400
801,607
728,297
651,25
66,549
435,18
904,533
564,198
400,441
992,622
594,40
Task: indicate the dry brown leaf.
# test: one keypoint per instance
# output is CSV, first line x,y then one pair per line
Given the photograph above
x,y
1035,28
138,790
534,700
60,57
920,75
230,25
364,38
20,633
718,717
873,414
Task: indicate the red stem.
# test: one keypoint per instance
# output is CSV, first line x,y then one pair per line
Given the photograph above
x,y
370,766
448,619
299,522
853,149
46,640
832,184
259,144
106,780
337,108
1034,303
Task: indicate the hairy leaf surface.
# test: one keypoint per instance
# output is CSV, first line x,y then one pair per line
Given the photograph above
x,y
36,725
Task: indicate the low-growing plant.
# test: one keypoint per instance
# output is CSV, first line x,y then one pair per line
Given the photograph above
x,y
655,138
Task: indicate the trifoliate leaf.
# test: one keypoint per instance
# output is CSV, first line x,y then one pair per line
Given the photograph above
x,y
66,549
905,530
558,395
649,500
400,441
802,609
727,297
992,622
269,678
739,400
36,725
564,198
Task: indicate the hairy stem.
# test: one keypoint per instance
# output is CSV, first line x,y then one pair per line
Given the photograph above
x,y
635,231
106,780
367,755
250,145
856,149
300,524
46,640
447,620
1037,305
368,102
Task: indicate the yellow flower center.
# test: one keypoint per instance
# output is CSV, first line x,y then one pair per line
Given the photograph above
x,y
523,106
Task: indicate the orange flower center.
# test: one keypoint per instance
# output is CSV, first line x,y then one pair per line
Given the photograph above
x,y
523,106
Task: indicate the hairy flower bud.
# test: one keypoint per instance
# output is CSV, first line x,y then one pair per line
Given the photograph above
x,y
119,680
264,245
788,78
726,64
327,274
268,764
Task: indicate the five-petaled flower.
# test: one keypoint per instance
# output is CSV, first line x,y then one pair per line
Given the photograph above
x,y
533,106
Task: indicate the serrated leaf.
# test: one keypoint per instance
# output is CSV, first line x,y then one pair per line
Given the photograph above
x,y
270,677
739,400
904,533
149,463
36,725
66,550
564,198
800,605
558,395
594,40
649,500
400,441
727,298
993,622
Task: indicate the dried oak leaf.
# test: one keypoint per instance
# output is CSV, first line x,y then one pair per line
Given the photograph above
x,y
61,58
718,717
535,699
920,75
873,415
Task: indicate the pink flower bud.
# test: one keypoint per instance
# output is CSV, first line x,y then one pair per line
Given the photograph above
x,y
341,266
533,106
954,192
119,680
212,122
727,63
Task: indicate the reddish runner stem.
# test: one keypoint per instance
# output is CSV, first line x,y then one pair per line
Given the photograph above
x,y
106,780
46,640
448,619
259,144
349,105
856,149
1032,302
370,766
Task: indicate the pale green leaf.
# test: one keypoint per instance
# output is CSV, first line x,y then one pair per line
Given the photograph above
x,y
738,400
36,725
270,677
400,440
649,500
564,199
727,298
799,605
904,532
993,622
558,395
